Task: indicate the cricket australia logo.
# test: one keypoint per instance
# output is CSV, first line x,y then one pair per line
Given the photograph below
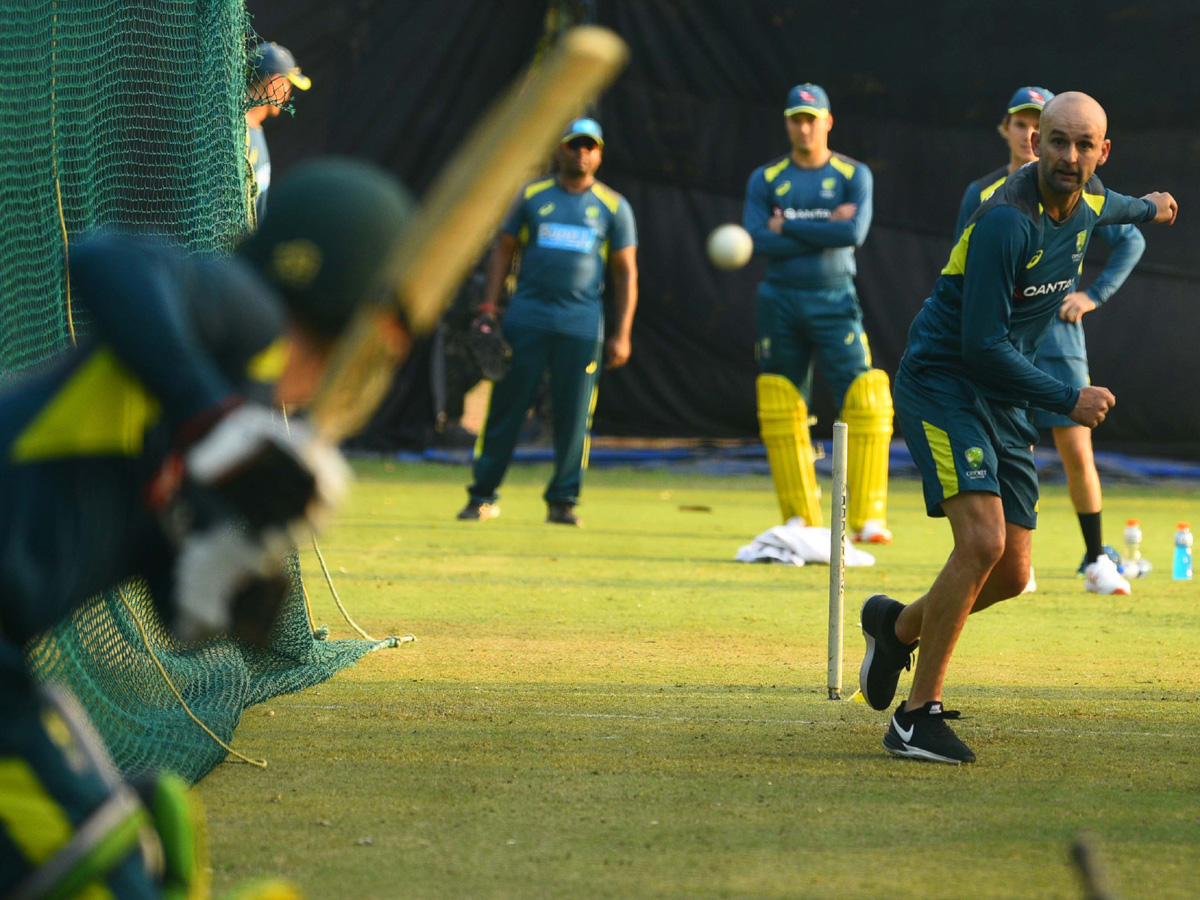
x,y
974,457
827,186
1080,240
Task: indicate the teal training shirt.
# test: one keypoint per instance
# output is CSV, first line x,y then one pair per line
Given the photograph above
x,y
1066,339
1002,287
977,191
812,252
566,239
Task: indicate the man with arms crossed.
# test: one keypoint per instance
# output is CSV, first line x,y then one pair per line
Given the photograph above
x,y
961,392
1063,353
807,211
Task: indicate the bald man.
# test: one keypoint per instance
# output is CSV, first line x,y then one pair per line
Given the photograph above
x,y
962,391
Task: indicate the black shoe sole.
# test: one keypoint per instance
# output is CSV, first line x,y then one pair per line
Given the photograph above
x,y
895,746
876,703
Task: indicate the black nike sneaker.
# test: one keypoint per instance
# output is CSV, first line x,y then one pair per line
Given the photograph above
x,y
923,734
887,656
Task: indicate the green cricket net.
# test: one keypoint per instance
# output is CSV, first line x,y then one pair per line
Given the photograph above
x,y
132,114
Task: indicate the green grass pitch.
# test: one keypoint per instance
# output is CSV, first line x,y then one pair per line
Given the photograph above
x,y
622,711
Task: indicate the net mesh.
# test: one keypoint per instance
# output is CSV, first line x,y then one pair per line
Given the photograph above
x,y
132,114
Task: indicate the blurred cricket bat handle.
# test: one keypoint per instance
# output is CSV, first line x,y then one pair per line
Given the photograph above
x,y
458,218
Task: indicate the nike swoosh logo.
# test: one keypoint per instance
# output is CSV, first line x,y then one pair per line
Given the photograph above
x,y
905,736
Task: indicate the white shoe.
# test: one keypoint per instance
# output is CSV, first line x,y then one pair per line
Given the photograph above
x,y
1032,586
873,532
1102,577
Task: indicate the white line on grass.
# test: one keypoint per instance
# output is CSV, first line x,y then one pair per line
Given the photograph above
x,y
723,720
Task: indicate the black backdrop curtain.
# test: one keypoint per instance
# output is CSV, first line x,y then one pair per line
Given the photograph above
x,y
916,90
400,82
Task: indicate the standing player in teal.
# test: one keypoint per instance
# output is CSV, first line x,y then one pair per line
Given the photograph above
x,y
962,390
807,211
1063,353
567,228
273,73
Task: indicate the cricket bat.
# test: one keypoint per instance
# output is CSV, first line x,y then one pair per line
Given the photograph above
x,y
458,218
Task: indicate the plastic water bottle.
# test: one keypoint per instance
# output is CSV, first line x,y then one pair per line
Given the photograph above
x,y
1183,553
1131,565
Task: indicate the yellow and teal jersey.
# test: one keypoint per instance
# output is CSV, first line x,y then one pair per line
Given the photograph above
x,y
1002,288
813,251
978,191
171,337
565,239
1066,339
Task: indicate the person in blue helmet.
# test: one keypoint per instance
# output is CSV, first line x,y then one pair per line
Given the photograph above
x,y
1063,353
570,231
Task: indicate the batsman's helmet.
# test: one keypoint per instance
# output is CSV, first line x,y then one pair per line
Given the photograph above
x,y
269,59
328,234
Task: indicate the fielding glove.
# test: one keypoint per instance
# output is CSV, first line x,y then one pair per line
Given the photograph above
x,y
488,348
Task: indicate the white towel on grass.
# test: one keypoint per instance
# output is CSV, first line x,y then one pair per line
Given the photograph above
x,y
796,544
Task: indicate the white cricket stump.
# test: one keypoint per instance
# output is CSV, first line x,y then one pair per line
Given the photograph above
x,y
837,562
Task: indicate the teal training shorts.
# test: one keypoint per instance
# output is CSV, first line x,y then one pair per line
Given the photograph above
x,y
797,327
961,441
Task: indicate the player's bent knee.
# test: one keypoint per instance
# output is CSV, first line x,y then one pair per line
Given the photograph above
x,y
981,545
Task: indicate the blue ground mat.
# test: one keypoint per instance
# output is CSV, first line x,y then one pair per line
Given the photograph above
x,y
752,458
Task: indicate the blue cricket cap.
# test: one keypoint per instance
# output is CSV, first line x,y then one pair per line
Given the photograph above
x,y
269,59
807,98
584,128
1029,98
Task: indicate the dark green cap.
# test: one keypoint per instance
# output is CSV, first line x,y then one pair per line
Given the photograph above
x,y
330,228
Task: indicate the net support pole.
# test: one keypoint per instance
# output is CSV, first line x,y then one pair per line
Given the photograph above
x,y
837,562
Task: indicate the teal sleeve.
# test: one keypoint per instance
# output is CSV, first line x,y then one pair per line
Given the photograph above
x,y
624,230
755,214
515,217
1120,209
1000,245
846,232
1127,247
131,292
970,203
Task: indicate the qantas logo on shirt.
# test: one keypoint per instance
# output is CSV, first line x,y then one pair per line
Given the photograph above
x,y
790,213
1052,287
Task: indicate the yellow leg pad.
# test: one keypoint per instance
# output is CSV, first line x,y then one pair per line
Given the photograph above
x,y
867,410
783,423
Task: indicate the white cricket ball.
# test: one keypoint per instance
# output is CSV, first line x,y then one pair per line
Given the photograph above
x,y
730,247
